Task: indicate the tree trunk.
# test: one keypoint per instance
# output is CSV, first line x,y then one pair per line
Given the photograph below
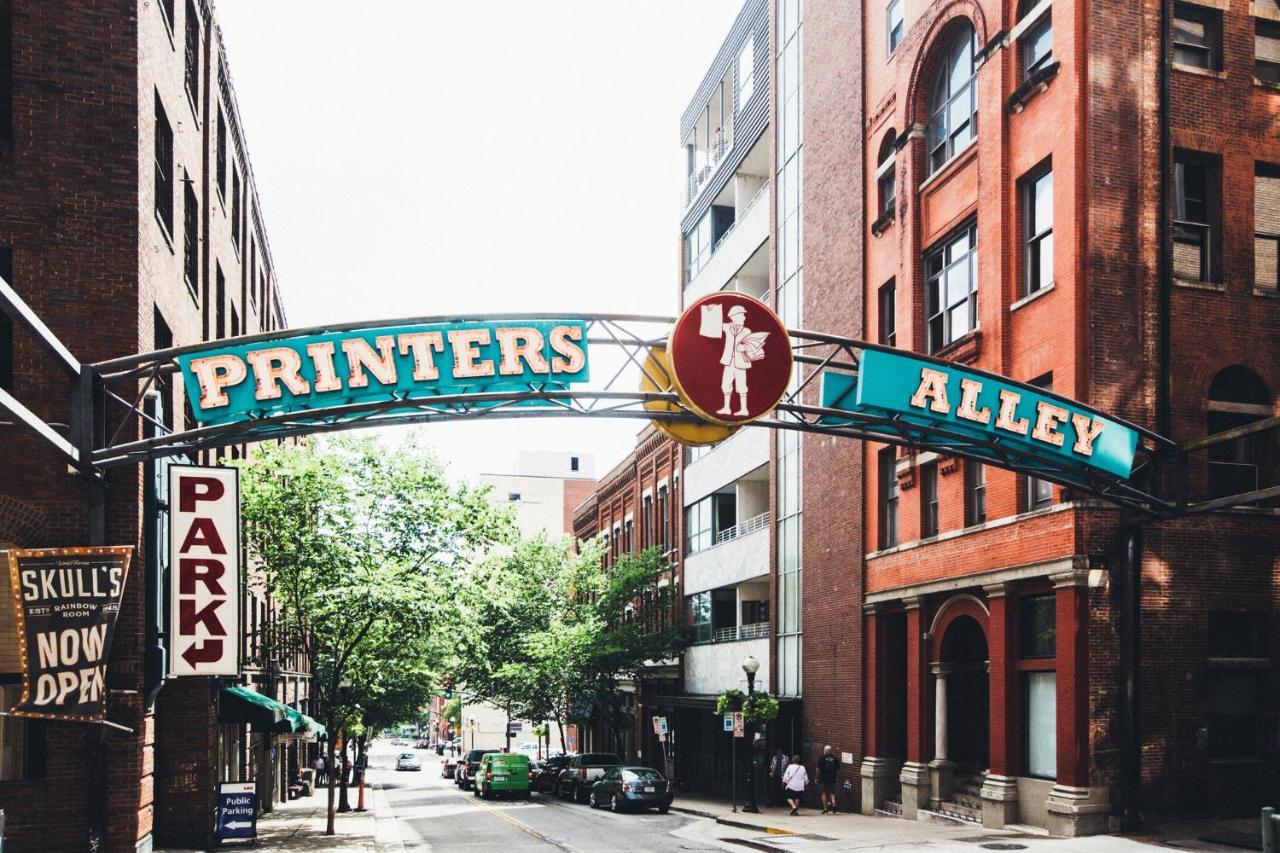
x,y
564,747
329,826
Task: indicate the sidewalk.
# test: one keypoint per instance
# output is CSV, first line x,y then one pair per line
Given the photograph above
x,y
774,829
298,825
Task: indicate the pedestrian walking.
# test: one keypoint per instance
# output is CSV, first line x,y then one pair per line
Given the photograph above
x,y
777,766
828,768
795,778
322,778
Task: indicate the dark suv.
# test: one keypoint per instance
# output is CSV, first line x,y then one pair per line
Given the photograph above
x,y
548,777
467,767
581,773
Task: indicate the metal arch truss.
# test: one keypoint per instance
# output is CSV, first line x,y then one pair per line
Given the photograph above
x,y
621,344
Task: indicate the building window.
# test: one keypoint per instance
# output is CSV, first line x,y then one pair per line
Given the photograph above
x,y
191,234
164,167
951,289
221,154
220,300
888,299
1266,226
975,493
895,24
1237,397
928,500
1040,698
513,497
573,463
888,476
698,527
953,101
647,521
886,178
13,736
700,617
235,207
1195,216
746,71
1197,36
1036,46
664,530
1266,41
1037,627
1037,218
192,69
627,544
1237,634
1038,492
6,325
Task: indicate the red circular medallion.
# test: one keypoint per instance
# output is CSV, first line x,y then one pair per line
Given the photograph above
x,y
730,358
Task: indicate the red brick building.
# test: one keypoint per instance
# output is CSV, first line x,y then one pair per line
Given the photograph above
x,y
131,223
1042,204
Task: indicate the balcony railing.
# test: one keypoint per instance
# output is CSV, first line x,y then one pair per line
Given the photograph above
x,y
699,263
742,528
719,147
754,631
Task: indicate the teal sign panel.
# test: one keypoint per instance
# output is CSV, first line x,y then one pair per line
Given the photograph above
x,y
929,394
229,382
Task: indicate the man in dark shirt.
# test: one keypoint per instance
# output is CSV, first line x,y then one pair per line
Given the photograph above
x,y
828,767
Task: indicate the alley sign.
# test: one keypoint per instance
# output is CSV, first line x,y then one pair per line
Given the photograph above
x,y
934,394
228,381
67,601
204,590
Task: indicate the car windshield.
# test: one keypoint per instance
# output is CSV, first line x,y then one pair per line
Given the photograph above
x,y
596,759
642,774
405,755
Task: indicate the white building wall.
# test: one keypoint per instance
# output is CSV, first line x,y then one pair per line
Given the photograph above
x,y
737,560
731,459
714,667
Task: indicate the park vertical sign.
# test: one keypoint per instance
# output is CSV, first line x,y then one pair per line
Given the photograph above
x,y
67,601
204,586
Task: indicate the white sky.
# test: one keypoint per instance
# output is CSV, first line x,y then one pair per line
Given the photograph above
x,y
432,157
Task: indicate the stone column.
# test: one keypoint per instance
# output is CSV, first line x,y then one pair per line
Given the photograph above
x,y
942,771
999,788
877,771
915,773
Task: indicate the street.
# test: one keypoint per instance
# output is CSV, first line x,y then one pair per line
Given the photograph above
x,y
433,814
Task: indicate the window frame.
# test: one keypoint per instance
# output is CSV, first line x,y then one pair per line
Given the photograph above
x,y
890,496
1211,20
748,51
191,235
162,151
935,287
1206,234
696,624
975,493
1269,172
887,177
1030,63
891,29
943,147
192,46
929,508
887,306
1033,241
1272,66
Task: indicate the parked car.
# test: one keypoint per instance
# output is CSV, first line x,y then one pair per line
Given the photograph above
x,y
468,766
408,761
581,773
503,773
548,776
448,766
422,744
627,788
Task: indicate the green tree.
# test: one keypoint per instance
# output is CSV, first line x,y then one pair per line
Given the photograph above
x,y
359,545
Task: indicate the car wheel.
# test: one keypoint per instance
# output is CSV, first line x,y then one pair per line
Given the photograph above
x,y
614,805
593,802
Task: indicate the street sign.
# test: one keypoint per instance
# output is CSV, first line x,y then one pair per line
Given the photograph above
x,y
237,810
204,602
739,725
728,721
515,727
660,725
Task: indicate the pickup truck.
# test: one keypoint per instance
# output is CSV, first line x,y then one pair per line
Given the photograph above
x,y
581,773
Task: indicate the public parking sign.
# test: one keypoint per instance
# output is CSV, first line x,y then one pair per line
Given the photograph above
x,y
237,810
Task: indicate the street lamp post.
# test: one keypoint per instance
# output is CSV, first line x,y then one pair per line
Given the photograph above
x,y
749,666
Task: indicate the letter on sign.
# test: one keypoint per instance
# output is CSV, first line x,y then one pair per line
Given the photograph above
x,y
204,559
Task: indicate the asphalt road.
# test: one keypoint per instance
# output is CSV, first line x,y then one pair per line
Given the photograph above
x,y
433,814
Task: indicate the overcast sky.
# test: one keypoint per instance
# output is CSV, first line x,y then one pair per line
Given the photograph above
x,y
431,157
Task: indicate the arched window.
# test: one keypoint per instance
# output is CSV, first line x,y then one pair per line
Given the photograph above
x,y
1237,396
953,100
886,180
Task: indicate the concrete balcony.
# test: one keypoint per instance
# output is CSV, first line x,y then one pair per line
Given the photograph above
x,y
735,247
728,461
732,560
712,667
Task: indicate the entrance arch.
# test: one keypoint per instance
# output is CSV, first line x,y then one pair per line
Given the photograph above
x,y
963,686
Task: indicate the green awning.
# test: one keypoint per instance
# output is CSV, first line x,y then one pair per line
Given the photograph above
x,y
305,725
242,705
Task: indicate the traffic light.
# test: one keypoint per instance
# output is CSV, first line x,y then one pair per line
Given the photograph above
x,y
447,693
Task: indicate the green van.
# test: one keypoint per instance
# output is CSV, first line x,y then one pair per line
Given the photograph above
x,y
503,773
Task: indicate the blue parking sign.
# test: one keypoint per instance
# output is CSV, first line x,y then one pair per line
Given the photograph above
x,y
237,810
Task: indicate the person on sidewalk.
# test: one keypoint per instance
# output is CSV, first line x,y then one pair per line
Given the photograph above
x,y
795,779
322,778
828,768
777,766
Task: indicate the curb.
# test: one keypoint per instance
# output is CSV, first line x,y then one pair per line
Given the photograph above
x,y
720,818
386,833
